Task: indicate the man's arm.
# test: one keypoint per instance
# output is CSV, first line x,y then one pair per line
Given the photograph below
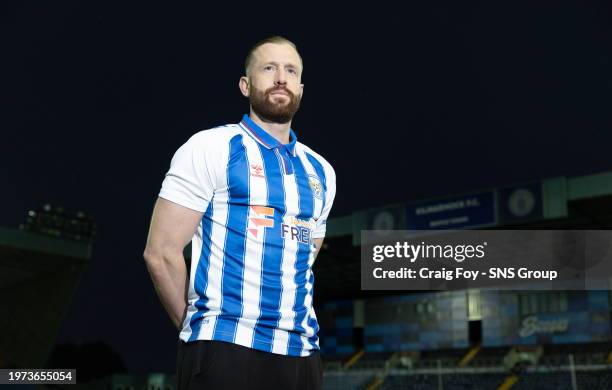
x,y
318,242
172,227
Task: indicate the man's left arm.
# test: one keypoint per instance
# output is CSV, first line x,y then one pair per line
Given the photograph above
x,y
318,243
330,195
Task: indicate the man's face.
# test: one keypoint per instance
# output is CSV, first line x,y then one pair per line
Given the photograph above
x,y
275,88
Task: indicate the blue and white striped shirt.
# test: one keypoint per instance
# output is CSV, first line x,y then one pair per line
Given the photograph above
x,y
251,279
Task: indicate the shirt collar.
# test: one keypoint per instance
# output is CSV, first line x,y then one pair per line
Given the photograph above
x,y
266,139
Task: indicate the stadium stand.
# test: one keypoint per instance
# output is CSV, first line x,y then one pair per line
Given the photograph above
x,y
490,352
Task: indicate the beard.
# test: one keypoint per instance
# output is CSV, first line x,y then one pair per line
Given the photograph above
x,y
271,111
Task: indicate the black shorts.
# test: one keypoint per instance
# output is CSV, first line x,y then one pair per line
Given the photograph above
x,y
221,365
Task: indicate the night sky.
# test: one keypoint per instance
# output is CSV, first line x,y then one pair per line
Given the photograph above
x,y
433,99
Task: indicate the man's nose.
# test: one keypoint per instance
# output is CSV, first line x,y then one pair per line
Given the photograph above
x,y
281,77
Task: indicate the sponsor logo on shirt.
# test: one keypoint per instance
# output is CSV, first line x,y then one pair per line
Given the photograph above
x,y
296,229
259,218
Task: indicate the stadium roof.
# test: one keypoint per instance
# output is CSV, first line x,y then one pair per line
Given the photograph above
x,y
555,203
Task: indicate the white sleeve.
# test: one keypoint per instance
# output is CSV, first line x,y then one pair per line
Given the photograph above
x,y
330,194
190,180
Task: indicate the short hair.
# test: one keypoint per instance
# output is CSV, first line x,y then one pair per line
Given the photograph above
x,y
273,39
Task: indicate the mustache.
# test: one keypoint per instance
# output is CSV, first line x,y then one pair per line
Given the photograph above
x,y
275,89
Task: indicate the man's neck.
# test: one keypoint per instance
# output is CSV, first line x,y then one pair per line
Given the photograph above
x,y
280,131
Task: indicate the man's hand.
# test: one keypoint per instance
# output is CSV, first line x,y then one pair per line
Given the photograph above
x,y
172,227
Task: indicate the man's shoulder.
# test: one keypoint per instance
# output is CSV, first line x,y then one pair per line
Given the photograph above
x,y
311,154
216,135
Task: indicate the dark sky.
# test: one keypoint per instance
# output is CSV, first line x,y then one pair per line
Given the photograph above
x,y
406,103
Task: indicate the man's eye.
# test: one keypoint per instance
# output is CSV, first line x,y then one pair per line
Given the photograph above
x,y
268,67
292,71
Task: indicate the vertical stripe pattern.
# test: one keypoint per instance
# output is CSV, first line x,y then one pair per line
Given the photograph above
x,y
200,281
251,280
234,248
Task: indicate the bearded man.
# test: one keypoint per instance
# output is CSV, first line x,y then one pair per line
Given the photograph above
x,y
254,202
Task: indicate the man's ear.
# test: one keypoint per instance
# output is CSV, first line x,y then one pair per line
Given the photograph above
x,y
243,84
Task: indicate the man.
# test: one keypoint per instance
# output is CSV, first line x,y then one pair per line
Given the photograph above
x,y
254,202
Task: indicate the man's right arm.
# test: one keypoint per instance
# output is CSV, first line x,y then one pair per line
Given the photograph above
x,y
172,227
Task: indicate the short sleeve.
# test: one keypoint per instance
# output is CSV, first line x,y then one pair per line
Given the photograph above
x,y
330,194
190,181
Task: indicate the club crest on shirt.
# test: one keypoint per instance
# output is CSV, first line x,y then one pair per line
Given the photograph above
x,y
257,170
315,186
